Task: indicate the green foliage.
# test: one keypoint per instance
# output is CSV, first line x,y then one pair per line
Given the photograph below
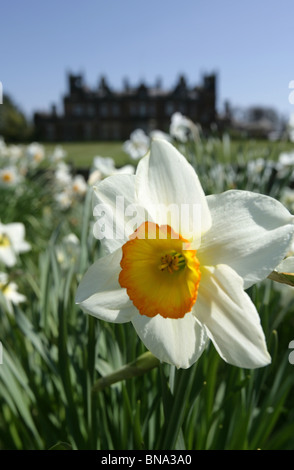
x,y
14,126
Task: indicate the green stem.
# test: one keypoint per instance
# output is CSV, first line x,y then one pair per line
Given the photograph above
x,y
140,366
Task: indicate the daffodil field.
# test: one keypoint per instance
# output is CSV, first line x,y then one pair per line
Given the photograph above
x,y
101,351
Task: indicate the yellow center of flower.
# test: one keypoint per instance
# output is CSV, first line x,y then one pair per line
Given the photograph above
x,y
159,271
7,177
4,240
38,157
4,288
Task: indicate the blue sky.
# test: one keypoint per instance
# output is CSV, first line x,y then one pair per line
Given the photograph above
x,y
248,44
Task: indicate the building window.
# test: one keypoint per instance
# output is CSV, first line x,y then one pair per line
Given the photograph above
x,y
91,111
77,109
152,109
88,131
103,109
193,110
169,108
115,109
50,132
133,109
182,107
142,109
104,131
116,131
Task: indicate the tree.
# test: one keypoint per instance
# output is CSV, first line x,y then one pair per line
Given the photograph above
x,y
14,126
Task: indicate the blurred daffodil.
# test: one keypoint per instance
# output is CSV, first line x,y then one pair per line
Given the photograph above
x,y
10,292
137,145
182,128
35,153
12,242
9,177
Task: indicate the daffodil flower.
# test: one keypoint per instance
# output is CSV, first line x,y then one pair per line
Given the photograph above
x,y
137,145
35,153
10,292
12,242
183,284
182,128
9,177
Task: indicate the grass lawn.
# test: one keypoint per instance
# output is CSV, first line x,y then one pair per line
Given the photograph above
x,y
81,154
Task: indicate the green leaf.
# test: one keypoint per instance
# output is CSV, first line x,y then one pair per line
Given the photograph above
x,y
61,446
283,278
284,272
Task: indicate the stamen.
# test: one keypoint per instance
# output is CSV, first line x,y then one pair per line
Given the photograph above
x,y
4,287
172,262
38,157
4,240
7,177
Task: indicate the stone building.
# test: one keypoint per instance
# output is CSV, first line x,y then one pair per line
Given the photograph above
x,y
107,114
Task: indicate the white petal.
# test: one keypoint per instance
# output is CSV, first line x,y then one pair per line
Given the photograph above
x,y
13,295
16,234
165,179
100,293
7,256
250,232
115,210
176,341
230,317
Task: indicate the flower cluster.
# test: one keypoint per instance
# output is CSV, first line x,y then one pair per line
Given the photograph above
x,y
12,244
105,166
40,186
182,129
